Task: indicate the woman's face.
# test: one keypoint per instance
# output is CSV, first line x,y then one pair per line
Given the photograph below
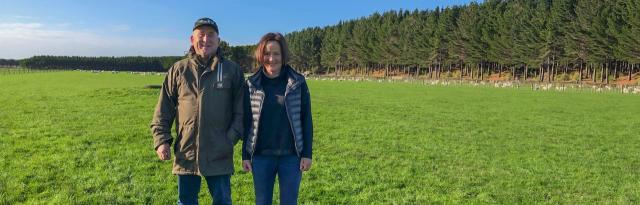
x,y
272,57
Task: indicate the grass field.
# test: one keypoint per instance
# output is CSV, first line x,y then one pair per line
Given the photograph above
x,y
83,138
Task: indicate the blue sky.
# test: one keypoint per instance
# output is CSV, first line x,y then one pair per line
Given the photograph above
x,y
158,28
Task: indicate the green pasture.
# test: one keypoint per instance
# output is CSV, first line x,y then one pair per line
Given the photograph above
x,y
83,138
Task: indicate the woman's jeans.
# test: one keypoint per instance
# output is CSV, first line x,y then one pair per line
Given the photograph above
x,y
265,168
219,188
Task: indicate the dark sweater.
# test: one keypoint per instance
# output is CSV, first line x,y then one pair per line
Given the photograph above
x,y
275,133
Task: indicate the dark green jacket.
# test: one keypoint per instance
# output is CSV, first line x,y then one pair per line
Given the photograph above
x,y
208,115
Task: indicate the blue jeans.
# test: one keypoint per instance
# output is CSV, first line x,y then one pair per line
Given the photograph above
x,y
189,187
264,170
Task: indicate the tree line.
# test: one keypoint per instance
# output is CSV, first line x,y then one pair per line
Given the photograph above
x,y
546,39
9,63
126,63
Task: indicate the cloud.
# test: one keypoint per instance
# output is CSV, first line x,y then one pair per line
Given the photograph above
x,y
120,28
23,40
21,18
20,26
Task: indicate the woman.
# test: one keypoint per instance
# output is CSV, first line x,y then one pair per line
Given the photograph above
x,y
278,122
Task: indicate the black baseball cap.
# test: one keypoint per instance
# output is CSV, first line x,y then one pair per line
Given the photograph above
x,y
206,22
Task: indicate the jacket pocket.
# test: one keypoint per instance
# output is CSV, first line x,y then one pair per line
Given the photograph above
x,y
223,146
185,149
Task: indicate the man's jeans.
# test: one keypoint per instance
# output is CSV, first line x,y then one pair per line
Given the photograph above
x,y
189,187
264,171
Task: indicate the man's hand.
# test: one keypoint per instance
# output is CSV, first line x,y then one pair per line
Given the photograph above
x,y
305,164
246,165
163,151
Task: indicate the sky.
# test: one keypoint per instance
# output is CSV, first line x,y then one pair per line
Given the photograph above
x,y
163,27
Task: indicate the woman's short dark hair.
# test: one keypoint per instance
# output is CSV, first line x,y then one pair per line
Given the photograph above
x,y
262,45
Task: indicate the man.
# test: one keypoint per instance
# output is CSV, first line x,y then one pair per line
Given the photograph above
x,y
203,93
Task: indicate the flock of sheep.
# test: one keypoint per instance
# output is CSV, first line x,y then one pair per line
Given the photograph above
x,y
537,86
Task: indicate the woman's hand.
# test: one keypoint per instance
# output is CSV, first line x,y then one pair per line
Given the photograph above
x,y
305,164
246,165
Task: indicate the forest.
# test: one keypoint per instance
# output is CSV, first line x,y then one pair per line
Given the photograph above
x,y
549,40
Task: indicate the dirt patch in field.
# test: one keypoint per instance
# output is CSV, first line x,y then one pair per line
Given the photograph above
x,y
153,86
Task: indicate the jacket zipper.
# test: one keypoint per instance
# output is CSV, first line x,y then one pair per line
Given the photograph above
x,y
198,98
293,132
199,94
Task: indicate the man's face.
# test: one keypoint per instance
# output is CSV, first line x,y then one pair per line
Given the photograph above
x,y
205,41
